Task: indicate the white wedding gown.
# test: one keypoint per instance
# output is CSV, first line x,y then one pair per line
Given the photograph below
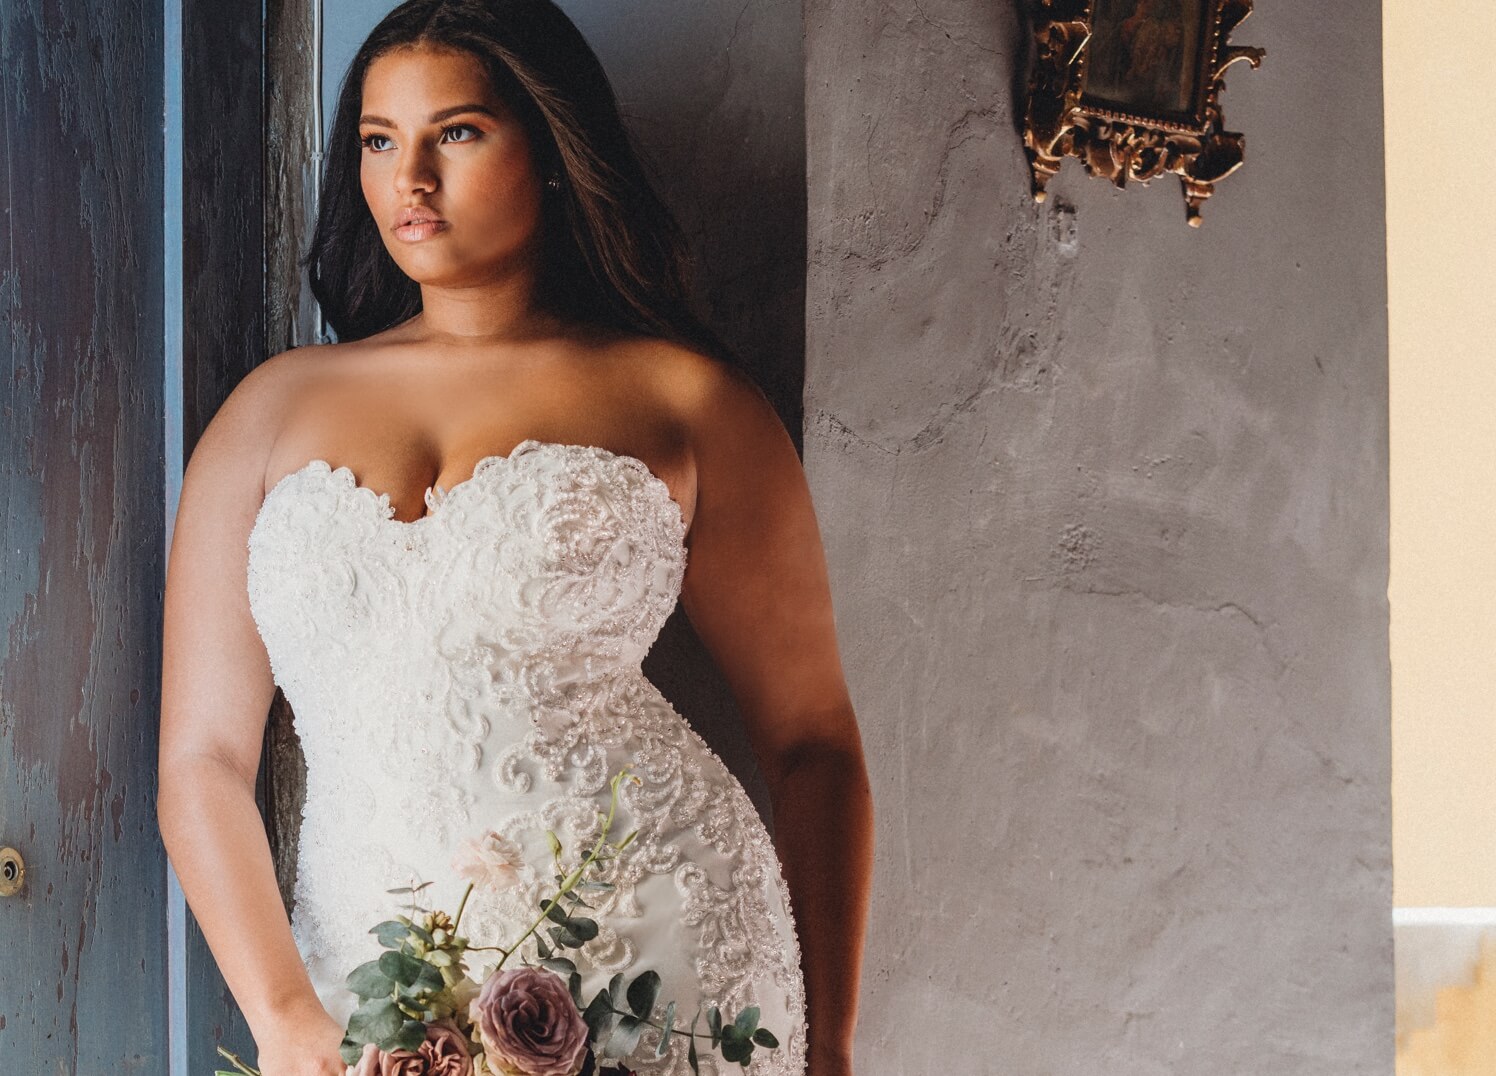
x,y
479,668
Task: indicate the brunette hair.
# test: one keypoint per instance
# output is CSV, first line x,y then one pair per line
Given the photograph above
x,y
614,254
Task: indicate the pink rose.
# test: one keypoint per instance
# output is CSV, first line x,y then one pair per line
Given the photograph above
x,y
529,1024
444,1053
491,861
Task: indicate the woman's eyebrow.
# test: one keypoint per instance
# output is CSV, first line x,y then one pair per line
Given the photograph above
x,y
436,117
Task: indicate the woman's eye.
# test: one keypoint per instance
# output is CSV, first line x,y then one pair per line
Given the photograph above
x,y
367,140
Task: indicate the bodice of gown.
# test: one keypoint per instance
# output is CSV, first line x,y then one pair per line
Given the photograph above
x,y
479,668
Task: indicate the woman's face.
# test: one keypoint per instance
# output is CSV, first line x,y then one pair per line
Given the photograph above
x,y
435,137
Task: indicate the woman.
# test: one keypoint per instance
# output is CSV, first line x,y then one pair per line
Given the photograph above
x,y
452,536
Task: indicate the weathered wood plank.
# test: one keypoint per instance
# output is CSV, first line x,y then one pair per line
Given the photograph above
x,y
81,529
223,333
291,316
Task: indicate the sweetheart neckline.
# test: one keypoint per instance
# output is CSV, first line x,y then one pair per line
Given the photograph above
x,y
652,481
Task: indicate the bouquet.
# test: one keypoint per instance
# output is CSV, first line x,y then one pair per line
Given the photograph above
x,y
421,1014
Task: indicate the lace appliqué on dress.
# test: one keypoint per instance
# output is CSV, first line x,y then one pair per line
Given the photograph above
x,y
479,668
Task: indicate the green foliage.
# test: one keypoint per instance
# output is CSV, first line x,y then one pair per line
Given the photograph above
x,y
667,1025
413,981
368,981
392,934
624,1038
643,991
375,1020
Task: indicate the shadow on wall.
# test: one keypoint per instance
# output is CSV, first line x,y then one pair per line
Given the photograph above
x,y
714,95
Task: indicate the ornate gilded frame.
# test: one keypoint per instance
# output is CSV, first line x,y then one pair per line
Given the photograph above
x,y
1063,120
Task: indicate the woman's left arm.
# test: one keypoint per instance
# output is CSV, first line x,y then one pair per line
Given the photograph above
x,y
757,593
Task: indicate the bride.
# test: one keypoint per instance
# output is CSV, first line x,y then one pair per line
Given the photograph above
x,y
451,537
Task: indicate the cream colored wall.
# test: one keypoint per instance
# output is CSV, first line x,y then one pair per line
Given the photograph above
x,y
1441,238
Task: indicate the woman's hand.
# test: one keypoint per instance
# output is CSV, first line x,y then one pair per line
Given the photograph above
x,y
304,1045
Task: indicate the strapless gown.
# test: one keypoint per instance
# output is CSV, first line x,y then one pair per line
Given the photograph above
x,y
479,668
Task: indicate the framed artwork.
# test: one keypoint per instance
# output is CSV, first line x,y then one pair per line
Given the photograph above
x,y
1132,89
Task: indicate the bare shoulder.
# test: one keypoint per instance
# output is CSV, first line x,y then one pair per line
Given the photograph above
x,y
236,443
721,410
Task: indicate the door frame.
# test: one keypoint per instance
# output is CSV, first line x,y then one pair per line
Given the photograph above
x,y
240,199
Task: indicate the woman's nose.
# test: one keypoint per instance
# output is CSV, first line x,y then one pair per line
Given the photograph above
x,y
416,171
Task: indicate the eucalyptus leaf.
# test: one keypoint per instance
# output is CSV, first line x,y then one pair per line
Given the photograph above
x,y
643,991
429,978
410,1036
553,912
736,1049
667,1024
691,1050
375,1019
747,1019
400,967
615,988
598,1016
368,981
764,1037
391,933
582,928
559,964
714,1023
625,1037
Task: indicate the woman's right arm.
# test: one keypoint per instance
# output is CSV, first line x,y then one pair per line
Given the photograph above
x,y
215,695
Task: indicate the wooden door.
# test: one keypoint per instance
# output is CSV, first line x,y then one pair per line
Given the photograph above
x,y
82,939
133,296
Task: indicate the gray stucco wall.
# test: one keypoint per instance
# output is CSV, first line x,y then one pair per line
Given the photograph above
x,y
1105,504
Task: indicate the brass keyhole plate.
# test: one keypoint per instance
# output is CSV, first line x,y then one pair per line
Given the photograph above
x,y
12,872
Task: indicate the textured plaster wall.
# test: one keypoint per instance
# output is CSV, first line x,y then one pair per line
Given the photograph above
x,y
1105,503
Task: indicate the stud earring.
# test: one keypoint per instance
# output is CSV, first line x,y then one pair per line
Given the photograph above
x,y
554,183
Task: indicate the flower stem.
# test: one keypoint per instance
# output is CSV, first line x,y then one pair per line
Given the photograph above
x,y
457,919
238,1062
575,876
673,1029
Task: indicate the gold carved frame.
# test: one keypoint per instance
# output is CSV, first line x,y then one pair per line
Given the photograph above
x,y
1063,120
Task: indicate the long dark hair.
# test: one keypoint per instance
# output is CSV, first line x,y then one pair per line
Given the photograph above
x,y
614,254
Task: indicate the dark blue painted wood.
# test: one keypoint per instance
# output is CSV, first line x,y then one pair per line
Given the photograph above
x,y
82,947
223,333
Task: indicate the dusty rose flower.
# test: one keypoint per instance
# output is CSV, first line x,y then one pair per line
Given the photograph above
x,y
444,1053
529,1024
491,861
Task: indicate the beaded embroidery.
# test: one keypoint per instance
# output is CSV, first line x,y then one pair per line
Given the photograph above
x,y
479,668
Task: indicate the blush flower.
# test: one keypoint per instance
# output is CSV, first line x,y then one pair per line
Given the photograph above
x,y
491,861
444,1053
529,1024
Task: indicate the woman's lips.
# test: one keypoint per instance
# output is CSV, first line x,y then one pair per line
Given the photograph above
x,y
421,229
